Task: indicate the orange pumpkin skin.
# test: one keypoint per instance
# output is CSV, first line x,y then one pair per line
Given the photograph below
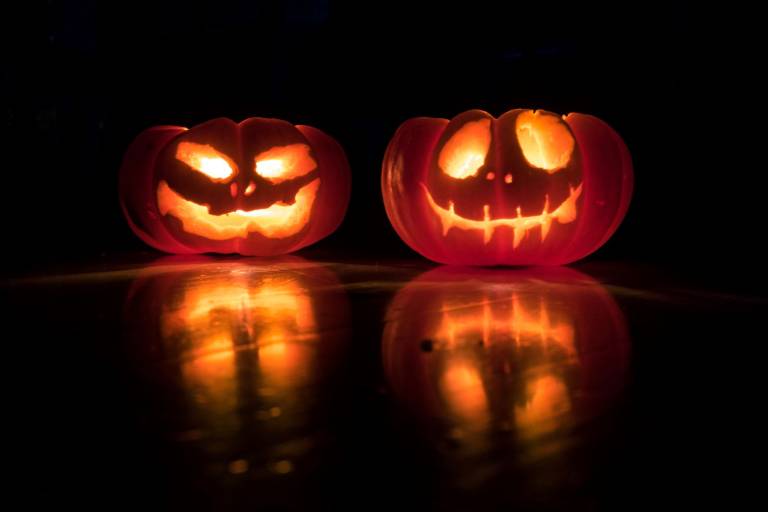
x,y
528,188
261,187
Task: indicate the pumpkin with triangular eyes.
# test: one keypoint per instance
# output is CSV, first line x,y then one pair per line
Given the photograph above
x,y
528,188
260,187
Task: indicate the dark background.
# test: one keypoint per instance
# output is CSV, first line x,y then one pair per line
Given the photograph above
x,y
87,77
81,79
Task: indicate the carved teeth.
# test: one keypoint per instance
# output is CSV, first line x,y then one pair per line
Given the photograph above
x,y
547,222
545,228
565,213
488,227
447,220
519,234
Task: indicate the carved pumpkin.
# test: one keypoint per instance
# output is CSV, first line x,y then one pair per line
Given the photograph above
x,y
527,188
531,352
261,187
233,349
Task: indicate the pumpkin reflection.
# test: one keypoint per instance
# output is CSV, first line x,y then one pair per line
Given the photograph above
x,y
273,316
474,353
253,348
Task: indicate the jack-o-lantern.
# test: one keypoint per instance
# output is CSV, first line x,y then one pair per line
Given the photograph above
x,y
511,357
527,188
261,187
238,352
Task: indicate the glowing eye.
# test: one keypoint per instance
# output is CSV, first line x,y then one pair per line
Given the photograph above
x,y
545,140
464,153
205,160
284,163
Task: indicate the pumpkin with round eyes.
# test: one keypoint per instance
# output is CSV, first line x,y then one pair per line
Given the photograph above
x,y
528,188
260,187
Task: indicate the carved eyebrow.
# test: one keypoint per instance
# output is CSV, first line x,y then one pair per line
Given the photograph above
x,y
206,160
282,163
465,152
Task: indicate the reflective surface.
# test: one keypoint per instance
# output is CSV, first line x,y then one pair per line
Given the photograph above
x,y
250,352
231,383
505,360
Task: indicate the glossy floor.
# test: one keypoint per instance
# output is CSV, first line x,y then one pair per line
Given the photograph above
x,y
220,383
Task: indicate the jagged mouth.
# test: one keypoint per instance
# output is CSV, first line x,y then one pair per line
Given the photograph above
x,y
566,212
279,220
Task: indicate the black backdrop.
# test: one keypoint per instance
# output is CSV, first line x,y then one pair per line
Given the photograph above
x,y
86,77
81,79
